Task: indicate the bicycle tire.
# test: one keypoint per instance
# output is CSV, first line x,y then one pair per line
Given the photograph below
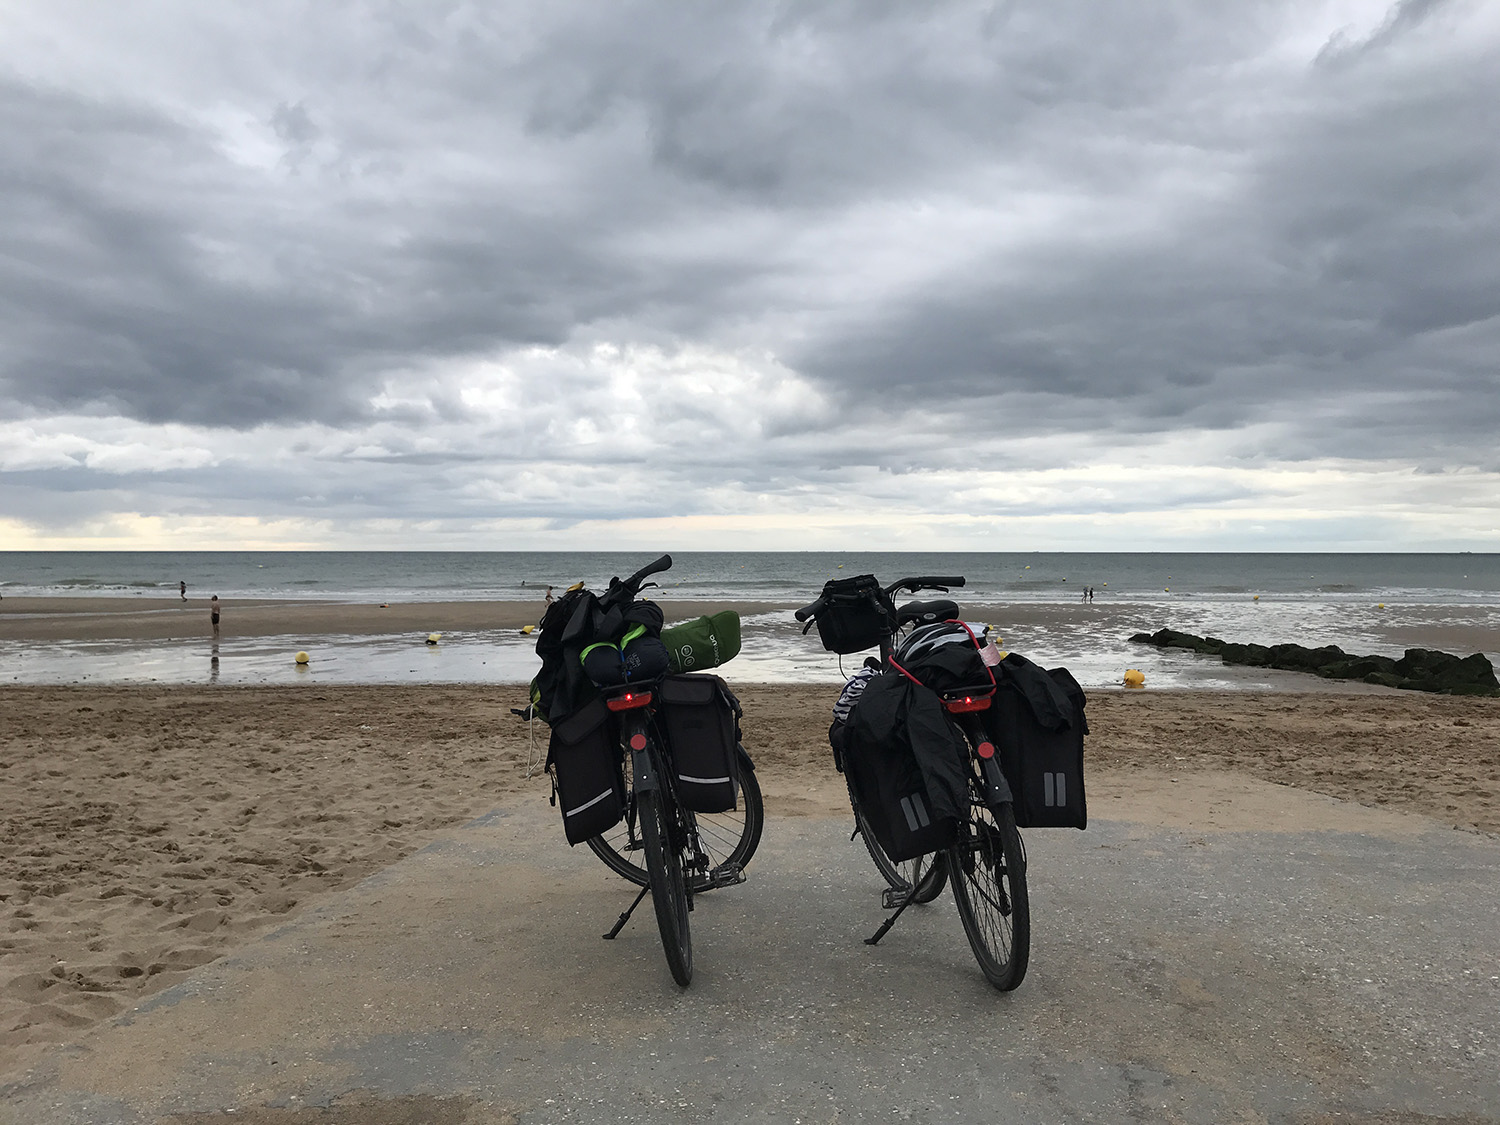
x,y
668,887
726,838
988,866
928,874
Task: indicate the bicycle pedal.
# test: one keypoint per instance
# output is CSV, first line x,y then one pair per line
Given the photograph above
x,y
728,875
893,897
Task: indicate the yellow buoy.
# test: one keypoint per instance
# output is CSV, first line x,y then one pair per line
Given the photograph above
x,y
527,629
302,658
1380,606
1167,589
1135,678
432,638
1257,597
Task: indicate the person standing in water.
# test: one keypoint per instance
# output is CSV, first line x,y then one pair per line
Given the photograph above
x,y
182,589
213,614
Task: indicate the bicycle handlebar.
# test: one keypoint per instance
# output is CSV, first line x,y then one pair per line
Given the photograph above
x,y
924,583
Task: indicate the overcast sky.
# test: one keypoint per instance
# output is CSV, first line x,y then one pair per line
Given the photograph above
x,y
1059,274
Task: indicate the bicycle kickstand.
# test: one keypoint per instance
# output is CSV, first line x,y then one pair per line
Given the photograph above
x,y
891,921
620,925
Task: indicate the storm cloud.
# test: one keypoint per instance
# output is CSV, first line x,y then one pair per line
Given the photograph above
x,y
1074,272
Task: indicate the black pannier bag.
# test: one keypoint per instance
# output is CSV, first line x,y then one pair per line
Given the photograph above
x,y
584,758
1037,724
561,687
859,614
906,765
697,715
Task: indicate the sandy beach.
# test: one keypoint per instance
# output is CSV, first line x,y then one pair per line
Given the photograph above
x,y
149,830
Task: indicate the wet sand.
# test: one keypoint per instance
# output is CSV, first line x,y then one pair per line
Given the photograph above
x,y
1457,629
98,619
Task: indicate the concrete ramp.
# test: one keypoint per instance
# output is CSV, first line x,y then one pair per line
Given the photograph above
x,y
1272,976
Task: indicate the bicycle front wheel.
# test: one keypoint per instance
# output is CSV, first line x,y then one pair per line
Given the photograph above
x,y
924,876
989,887
668,887
727,838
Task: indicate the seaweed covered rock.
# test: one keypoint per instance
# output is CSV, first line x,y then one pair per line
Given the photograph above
x,y
1171,638
1298,658
1425,670
1255,656
1419,670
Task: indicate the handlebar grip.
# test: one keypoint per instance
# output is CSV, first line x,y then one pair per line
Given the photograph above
x,y
925,582
810,610
661,564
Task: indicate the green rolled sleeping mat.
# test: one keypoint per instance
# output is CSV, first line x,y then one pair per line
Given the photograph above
x,y
704,642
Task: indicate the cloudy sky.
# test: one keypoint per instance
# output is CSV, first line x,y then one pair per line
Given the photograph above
x,y
1053,274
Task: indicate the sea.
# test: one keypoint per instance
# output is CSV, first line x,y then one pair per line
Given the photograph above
x,y
1036,603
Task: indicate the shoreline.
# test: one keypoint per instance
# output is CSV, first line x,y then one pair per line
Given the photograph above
x,y
155,829
1460,629
101,619
93,640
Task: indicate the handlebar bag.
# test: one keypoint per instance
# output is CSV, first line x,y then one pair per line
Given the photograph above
x,y
584,758
859,614
704,642
907,767
698,715
1037,723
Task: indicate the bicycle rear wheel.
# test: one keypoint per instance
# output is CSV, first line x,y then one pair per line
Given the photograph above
x,y
989,887
925,876
668,888
727,838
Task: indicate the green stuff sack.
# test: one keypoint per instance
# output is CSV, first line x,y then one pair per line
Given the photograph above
x,y
704,642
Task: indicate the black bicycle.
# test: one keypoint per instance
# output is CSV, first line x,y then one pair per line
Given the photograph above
x,y
660,843
985,860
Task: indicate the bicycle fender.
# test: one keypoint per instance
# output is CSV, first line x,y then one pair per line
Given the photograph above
x,y
643,769
996,788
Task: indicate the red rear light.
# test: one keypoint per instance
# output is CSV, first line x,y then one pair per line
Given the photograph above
x,y
959,704
629,701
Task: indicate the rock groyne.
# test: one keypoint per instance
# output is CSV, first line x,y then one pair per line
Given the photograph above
x,y
1420,669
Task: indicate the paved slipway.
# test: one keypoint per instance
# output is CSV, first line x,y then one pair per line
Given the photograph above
x,y
1236,970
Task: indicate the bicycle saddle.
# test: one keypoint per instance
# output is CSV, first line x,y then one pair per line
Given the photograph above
x,y
940,609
